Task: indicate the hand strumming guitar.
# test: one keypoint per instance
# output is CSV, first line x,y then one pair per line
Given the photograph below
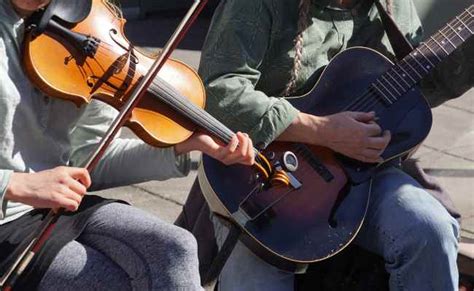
x,y
354,134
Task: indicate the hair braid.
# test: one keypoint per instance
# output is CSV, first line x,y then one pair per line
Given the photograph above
x,y
302,25
304,8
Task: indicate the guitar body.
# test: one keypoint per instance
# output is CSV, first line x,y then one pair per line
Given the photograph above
x,y
288,226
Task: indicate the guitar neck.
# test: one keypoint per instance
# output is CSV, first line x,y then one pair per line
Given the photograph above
x,y
420,62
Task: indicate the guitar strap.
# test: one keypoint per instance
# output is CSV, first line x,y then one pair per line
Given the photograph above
x,y
209,279
401,46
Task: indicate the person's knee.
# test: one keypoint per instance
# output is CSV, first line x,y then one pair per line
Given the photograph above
x,y
182,245
436,235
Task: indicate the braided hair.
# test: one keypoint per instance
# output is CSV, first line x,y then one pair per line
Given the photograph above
x,y
304,8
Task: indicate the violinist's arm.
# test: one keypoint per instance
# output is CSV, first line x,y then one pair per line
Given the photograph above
x,y
130,161
126,161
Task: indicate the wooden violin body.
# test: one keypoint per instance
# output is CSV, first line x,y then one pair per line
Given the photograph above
x,y
94,60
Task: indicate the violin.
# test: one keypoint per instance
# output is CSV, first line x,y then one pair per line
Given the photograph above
x,y
79,52
93,59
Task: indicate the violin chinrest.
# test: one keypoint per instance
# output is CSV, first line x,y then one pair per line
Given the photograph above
x,y
68,11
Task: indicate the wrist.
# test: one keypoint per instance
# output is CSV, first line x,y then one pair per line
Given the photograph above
x,y
187,146
11,192
306,128
179,149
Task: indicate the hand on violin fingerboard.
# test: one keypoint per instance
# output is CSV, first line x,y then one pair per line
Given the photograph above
x,y
240,150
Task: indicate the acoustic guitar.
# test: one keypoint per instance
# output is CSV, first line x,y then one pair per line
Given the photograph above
x,y
322,209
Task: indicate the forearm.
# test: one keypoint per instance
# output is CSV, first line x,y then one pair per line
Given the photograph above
x,y
130,161
305,128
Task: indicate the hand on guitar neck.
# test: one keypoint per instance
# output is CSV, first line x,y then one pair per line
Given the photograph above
x,y
353,134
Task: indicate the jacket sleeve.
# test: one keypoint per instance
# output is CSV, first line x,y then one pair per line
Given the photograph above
x,y
4,180
126,161
233,51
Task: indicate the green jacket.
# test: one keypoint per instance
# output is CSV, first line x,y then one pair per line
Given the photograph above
x,y
248,56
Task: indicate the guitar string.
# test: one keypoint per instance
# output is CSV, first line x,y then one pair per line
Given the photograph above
x,y
197,112
364,106
446,29
370,95
401,64
395,99
465,13
206,123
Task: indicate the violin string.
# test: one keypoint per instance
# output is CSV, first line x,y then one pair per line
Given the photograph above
x,y
188,108
210,123
225,135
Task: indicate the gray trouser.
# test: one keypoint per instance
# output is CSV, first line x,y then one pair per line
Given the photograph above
x,y
124,248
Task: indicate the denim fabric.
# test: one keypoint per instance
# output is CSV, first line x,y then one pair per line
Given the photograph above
x,y
405,225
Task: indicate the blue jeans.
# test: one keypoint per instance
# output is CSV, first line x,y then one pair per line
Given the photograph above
x,y
405,225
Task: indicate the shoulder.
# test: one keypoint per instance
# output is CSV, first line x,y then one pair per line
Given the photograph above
x,y
407,19
404,10
255,11
245,6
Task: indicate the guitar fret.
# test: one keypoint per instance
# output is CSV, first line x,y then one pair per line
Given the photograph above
x,y
442,47
455,31
387,89
433,52
418,62
423,55
396,81
411,67
465,25
401,77
406,74
467,9
449,40
391,85
382,94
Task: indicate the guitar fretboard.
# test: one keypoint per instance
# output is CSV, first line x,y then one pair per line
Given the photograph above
x,y
416,65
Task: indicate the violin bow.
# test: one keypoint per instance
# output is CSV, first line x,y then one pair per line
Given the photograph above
x,y
43,233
